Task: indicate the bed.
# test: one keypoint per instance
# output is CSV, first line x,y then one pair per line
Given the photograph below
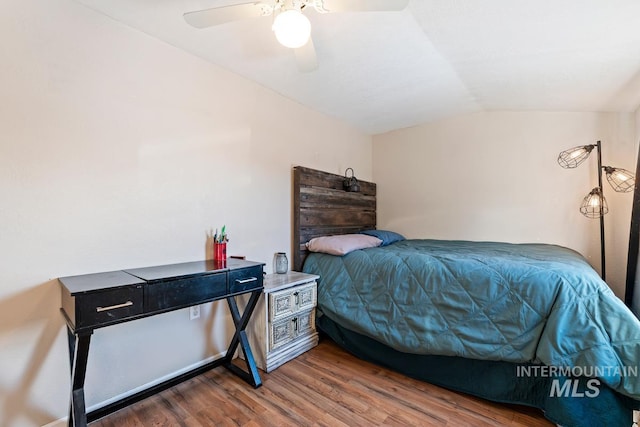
x,y
528,324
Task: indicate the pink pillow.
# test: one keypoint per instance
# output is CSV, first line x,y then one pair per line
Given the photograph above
x,y
342,244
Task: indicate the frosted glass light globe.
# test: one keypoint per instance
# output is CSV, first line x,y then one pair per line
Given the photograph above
x,y
292,28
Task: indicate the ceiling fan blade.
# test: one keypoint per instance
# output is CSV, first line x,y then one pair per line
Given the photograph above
x,y
306,57
364,5
220,15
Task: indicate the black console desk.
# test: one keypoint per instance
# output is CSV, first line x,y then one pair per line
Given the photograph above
x,y
94,301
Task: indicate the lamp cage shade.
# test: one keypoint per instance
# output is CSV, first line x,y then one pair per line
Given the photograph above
x,y
594,205
573,157
621,180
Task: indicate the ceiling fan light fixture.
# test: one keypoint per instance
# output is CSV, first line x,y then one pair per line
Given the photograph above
x,y
292,28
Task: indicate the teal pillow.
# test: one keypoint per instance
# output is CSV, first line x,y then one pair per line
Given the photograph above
x,y
387,237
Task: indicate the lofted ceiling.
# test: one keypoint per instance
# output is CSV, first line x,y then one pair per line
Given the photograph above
x,y
381,71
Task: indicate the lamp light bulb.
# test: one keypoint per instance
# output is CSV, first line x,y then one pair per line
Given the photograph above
x,y
292,28
576,153
622,177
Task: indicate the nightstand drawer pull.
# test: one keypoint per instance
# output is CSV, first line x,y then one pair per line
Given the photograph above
x,y
243,281
113,307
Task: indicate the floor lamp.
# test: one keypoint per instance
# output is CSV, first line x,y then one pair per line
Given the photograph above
x,y
594,205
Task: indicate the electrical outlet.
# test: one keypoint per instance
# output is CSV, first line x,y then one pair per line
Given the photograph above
x,y
194,312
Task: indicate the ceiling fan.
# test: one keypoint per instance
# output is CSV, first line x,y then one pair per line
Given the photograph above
x,y
291,27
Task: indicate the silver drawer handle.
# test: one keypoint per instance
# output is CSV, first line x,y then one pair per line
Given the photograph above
x,y
250,279
113,307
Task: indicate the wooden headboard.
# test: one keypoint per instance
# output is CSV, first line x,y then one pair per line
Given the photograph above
x,y
321,207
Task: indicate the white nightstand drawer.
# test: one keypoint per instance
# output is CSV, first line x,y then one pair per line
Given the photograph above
x,y
281,305
281,333
283,325
307,297
288,330
306,323
286,302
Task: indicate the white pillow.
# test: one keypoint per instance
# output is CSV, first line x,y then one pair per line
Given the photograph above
x,y
342,244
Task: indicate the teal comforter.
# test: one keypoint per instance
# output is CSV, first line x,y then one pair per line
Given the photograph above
x,y
483,300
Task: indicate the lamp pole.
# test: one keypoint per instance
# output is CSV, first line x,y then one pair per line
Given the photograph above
x,y
602,257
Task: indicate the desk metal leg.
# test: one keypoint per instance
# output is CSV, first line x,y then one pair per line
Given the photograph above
x,y
251,375
78,355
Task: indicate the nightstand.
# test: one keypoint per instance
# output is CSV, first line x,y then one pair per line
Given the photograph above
x,y
283,325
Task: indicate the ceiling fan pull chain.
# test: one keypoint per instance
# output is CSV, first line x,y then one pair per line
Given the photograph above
x,y
298,4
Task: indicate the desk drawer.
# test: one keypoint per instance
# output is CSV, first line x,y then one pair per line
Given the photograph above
x,y
245,279
105,307
185,292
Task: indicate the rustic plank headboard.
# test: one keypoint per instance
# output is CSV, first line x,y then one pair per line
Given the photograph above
x,y
321,207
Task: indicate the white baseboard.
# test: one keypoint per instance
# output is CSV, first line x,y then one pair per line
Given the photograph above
x,y
156,382
63,421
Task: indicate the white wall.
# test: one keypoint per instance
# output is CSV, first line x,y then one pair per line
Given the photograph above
x,y
494,176
119,151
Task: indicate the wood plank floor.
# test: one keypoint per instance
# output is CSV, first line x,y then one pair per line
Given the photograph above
x,y
323,387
